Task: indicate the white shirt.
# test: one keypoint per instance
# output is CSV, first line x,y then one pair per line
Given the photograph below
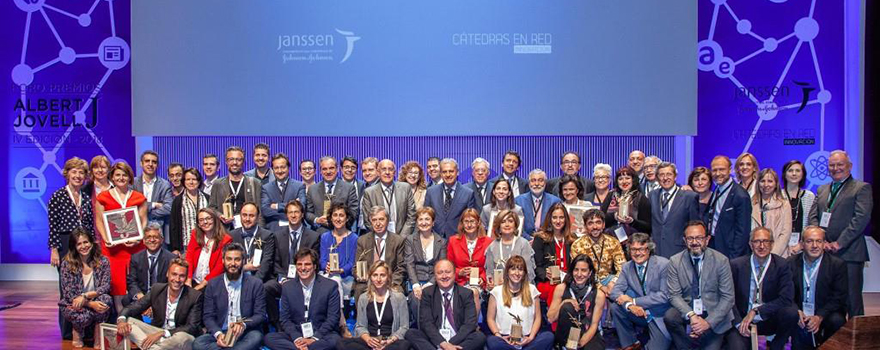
x,y
148,188
203,268
502,313
446,324
170,312
233,292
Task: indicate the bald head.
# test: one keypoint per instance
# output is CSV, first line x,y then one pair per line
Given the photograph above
x,y
386,171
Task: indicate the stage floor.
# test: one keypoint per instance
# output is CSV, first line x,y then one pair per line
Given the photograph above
x,y
34,324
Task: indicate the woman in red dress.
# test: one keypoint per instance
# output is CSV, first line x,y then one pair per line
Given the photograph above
x,y
552,246
205,246
467,248
119,255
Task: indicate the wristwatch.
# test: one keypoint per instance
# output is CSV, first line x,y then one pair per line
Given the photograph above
x,y
167,334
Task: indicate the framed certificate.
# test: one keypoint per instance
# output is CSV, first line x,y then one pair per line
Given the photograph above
x,y
492,222
576,213
109,340
123,225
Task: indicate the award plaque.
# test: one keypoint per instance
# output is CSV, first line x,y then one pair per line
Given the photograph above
x,y
227,210
516,331
333,261
475,277
553,274
327,203
623,207
574,335
361,269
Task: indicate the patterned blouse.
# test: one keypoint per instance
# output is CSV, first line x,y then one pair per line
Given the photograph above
x,y
190,214
606,253
64,216
72,284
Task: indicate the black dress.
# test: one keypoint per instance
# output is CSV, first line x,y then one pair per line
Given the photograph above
x,y
564,323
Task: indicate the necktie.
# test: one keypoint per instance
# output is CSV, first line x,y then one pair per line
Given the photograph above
x,y
537,213
448,200
380,250
480,191
281,186
447,307
695,284
664,210
715,212
329,189
835,186
294,241
757,298
641,270
152,273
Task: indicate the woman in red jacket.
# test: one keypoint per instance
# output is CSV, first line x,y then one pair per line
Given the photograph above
x,y
204,249
467,248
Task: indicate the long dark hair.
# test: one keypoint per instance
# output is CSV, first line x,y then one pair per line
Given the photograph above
x,y
73,258
219,229
494,201
546,232
569,278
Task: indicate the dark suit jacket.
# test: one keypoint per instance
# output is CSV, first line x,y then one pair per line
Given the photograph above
x,y
137,271
668,233
220,192
553,186
832,284
265,272
188,316
523,184
175,227
431,314
446,222
394,255
272,195
640,210
544,249
252,304
777,289
850,216
343,192
480,200
734,224
418,266
281,257
323,308
527,203
161,194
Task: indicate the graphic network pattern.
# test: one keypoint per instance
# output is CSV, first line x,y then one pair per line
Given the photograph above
x,y
113,53
710,58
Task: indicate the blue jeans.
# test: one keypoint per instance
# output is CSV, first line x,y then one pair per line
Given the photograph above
x,y
250,340
544,340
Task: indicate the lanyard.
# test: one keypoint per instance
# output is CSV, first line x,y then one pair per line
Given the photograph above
x,y
307,296
699,269
501,258
236,189
537,208
589,290
388,199
122,202
835,193
763,207
797,207
809,276
77,203
669,199
714,200
560,248
596,260
759,279
380,314
250,243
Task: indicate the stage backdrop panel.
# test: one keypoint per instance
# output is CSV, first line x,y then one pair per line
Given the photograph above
x,y
410,68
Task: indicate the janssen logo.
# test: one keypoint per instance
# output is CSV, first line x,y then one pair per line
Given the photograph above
x,y
311,48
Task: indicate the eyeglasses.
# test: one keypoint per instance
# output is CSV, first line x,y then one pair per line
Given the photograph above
x,y
570,162
759,242
694,239
206,220
638,250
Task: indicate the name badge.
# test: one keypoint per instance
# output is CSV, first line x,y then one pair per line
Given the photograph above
x,y
620,233
826,219
236,221
698,307
795,239
283,223
446,334
308,332
291,271
258,256
809,309
391,227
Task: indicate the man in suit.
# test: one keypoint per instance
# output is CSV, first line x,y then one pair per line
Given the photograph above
x,y
570,165
730,212
843,208
287,241
380,244
510,164
147,266
673,209
396,197
234,189
261,170
309,309
329,190
209,171
258,242
700,289
432,168
155,189
173,326
636,161
447,315
279,191
535,203
650,171
764,292
349,174
233,303
821,291
370,172
449,200
175,178
639,295
480,183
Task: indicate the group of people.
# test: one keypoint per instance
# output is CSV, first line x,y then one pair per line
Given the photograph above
x,y
258,258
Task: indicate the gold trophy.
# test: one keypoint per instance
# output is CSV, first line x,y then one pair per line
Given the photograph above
x,y
230,338
327,203
553,270
623,205
360,268
516,331
574,335
227,210
333,259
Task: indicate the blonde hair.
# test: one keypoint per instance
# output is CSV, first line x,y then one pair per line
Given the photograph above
x,y
516,261
371,289
75,163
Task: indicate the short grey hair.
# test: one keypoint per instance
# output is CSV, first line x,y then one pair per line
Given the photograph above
x,y
652,158
376,209
668,165
325,158
761,228
640,237
479,160
842,153
601,167
449,161
154,226
537,172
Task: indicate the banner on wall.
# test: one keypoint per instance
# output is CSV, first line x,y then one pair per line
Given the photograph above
x,y
67,92
771,82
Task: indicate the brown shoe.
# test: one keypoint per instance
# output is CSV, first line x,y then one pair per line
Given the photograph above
x,y
345,333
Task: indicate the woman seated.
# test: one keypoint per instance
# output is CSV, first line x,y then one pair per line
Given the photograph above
x,y
513,314
205,247
507,244
577,307
342,242
382,315
85,285
422,250
552,247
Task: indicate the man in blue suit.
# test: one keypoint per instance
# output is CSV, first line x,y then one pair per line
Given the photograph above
x,y
676,208
309,309
730,212
641,299
535,203
449,200
157,191
278,192
233,303
261,169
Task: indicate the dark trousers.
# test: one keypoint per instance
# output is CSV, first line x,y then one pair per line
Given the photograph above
x,y
564,326
801,339
782,324
677,327
273,292
420,341
65,326
360,344
854,271
282,341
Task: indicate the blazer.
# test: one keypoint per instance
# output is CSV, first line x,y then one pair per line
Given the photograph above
x,y
777,289
343,192
668,233
188,316
457,252
405,221
654,297
270,194
161,194
270,175
266,269
850,216
309,239
400,310
640,211
72,283
832,284
252,304
553,186
446,221
431,314
394,255
215,262
734,224
543,250
480,200
418,266
591,197
523,184
136,279
323,307
175,227
220,192
527,203
486,214
716,287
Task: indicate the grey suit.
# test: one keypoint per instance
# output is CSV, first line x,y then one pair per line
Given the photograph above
x,y
483,199
343,192
220,193
716,292
420,268
161,194
668,232
652,297
402,198
393,255
850,215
